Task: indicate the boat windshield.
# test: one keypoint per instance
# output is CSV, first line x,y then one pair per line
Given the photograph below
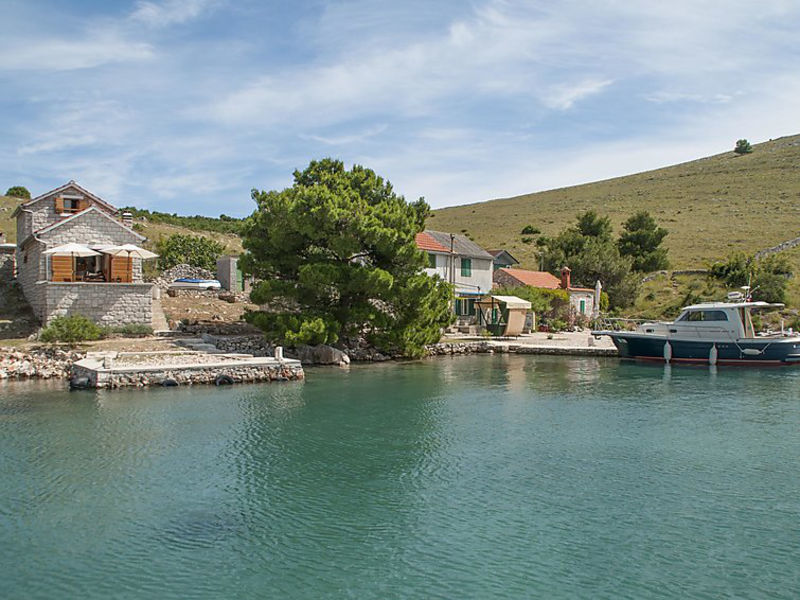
x,y
704,315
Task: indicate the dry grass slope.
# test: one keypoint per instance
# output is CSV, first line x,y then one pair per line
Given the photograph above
x,y
711,206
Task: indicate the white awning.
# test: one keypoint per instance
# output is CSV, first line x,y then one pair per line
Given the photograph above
x,y
512,302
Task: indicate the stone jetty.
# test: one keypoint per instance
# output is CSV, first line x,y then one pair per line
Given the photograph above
x,y
171,368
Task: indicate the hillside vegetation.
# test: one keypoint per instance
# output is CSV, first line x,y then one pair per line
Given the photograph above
x,y
7,224
711,206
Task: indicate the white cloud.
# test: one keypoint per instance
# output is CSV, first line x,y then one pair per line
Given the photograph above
x,y
169,12
80,52
564,96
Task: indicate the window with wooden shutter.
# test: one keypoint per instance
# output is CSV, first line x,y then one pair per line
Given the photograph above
x,y
62,268
121,269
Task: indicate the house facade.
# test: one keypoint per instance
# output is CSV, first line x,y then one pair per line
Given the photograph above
x,y
581,300
459,260
106,289
502,258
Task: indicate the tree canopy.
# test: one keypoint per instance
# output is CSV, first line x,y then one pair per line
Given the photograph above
x,y
743,147
195,250
337,258
588,249
641,240
18,191
767,277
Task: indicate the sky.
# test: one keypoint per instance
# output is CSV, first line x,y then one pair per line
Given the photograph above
x,y
186,105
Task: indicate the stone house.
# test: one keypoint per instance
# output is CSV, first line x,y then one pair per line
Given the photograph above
x,y
581,300
459,260
502,258
107,289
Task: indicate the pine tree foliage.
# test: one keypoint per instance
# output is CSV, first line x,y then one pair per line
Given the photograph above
x,y
641,240
337,258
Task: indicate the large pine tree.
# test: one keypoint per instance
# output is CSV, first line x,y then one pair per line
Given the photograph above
x,y
336,256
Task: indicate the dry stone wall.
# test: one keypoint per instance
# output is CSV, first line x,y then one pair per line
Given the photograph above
x,y
108,304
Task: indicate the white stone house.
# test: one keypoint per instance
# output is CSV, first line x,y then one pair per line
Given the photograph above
x,y
462,262
108,290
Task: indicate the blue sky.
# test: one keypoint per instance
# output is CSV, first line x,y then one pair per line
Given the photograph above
x,y
185,105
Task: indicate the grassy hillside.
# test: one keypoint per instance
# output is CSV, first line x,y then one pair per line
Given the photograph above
x,y
157,231
711,206
7,224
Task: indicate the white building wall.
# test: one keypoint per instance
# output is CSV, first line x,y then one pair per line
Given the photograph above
x,y
481,277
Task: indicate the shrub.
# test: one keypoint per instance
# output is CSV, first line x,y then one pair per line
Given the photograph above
x,y
75,328
18,191
530,230
743,147
194,250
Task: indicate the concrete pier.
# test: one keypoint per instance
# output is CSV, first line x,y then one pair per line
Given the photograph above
x,y
131,369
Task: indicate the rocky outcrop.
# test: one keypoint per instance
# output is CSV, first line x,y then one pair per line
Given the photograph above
x,y
319,355
44,363
180,271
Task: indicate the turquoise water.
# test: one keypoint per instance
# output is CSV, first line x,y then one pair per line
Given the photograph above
x,y
470,477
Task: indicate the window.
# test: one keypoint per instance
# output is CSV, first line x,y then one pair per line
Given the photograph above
x,y
583,307
466,267
704,315
431,260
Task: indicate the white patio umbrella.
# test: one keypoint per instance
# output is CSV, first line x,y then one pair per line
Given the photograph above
x,y
131,251
72,249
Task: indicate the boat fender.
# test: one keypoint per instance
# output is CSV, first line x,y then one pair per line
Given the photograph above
x,y
79,383
712,355
667,351
168,382
752,351
223,380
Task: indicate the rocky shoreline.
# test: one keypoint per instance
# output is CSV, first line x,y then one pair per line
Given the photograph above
x,y
53,362
39,363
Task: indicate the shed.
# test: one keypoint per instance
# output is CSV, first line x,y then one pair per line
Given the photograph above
x,y
503,315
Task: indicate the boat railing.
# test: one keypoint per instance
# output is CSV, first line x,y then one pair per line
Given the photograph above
x,y
602,323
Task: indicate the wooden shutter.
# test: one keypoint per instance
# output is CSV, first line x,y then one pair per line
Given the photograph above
x,y
121,269
59,204
62,268
83,204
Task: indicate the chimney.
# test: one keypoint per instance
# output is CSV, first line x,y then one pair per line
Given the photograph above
x,y
127,220
565,283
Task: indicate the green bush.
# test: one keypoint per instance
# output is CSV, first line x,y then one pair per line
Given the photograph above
x,y
194,250
530,230
76,328
743,147
18,191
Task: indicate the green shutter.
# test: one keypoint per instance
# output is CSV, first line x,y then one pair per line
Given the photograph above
x,y
466,267
431,260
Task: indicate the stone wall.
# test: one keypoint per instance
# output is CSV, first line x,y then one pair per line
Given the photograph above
x,y
30,270
179,272
108,304
7,262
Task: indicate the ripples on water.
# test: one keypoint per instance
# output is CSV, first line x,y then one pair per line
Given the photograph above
x,y
477,477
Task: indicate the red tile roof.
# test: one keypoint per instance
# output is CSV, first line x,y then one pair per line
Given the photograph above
x,y
540,279
425,241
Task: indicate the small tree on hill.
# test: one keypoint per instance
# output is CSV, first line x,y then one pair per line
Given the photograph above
x,y
195,250
743,147
337,257
18,191
641,240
